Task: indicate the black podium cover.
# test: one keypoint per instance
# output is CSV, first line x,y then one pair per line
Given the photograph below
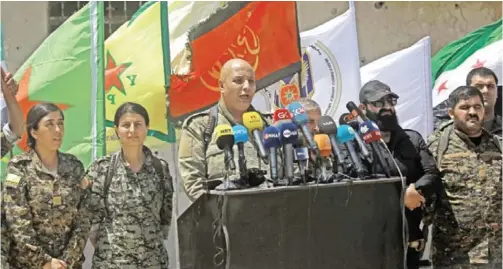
x,y
353,225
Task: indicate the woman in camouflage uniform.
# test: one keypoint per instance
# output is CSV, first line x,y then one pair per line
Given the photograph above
x,y
130,199
42,196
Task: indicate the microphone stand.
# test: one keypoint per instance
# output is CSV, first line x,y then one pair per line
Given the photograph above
x,y
381,159
242,162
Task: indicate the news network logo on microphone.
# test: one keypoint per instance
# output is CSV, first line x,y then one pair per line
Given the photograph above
x,y
283,115
224,130
270,135
301,154
369,131
287,133
364,129
296,109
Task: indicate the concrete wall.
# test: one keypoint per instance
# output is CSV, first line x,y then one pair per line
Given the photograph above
x,y
383,27
25,26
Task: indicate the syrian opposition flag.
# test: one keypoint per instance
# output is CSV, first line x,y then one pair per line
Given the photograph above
x,y
451,65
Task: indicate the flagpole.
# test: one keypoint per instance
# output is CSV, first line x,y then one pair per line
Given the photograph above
x,y
98,143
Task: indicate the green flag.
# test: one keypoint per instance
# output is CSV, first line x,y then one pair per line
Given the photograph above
x,y
67,69
450,66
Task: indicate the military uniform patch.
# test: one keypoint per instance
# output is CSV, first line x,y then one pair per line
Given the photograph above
x,y
12,180
56,200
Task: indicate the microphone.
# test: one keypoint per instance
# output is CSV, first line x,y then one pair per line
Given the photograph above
x,y
253,122
300,118
289,135
241,137
323,142
225,141
327,126
356,111
372,135
302,156
345,135
348,119
281,115
272,142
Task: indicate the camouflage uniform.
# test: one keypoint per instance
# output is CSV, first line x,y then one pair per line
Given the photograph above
x,y
8,140
6,145
135,223
494,127
193,161
41,210
467,224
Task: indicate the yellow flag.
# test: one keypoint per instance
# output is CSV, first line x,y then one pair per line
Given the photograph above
x,y
137,69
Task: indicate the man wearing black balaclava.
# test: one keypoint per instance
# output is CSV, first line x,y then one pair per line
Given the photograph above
x,y
411,154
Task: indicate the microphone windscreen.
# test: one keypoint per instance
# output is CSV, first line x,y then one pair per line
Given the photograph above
x,y
348,119
345,133
299,115
281,114
271,137
240,134
327,125
225,136
289,133
370,132
301,154
323,142
253,121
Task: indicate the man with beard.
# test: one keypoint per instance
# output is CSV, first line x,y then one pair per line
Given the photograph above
x,y
467,224
411,153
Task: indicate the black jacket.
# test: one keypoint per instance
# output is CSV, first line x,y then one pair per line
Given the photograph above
x,y
417,165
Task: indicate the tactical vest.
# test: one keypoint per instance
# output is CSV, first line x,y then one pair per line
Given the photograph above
x,y
443,142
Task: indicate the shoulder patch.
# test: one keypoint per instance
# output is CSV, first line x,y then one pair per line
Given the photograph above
x,y
12,180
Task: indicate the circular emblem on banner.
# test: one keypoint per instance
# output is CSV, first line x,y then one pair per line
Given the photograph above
x,y
320,78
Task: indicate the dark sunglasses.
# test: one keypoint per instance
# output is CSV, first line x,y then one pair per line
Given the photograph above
x,y
392,101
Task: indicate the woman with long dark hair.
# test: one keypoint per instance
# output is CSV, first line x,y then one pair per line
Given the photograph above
x,y
130,199
42,195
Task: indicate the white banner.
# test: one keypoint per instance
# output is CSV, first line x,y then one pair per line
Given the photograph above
x,y
330,69
408,74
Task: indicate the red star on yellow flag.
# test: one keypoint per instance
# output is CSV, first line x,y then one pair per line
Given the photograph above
x,y
112,74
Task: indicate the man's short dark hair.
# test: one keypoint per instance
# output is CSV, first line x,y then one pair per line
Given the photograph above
x,y
481,72
464,93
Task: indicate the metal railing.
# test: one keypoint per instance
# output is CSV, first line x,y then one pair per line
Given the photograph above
x,y
116,13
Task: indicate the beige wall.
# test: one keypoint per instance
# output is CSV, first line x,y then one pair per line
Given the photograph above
x,y
383,27
25,26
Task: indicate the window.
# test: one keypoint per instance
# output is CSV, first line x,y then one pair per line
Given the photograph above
x,y
116,13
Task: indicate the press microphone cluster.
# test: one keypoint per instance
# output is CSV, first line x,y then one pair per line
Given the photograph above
x,y
344,145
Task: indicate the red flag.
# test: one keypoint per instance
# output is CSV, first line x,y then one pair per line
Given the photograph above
x,y
263,33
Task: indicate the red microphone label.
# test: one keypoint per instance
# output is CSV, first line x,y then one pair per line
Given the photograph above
x,y
281,114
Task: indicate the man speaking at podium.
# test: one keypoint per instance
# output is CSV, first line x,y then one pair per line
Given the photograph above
x,y
412,156
202,163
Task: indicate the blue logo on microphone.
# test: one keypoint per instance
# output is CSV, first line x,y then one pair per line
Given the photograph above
x,y
240,134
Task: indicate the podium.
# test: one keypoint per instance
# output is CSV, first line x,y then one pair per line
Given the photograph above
x,y
345,225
